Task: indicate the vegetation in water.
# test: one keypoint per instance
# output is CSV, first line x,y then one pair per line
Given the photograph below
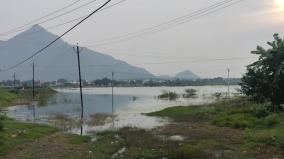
x,y
168,95
190,93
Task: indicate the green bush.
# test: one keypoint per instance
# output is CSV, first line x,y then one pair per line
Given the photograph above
x,y
260,112
2,118
168,95
271,120
190,93
1,126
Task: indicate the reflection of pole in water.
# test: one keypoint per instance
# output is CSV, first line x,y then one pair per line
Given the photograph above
x,y
229,83
33,102
112,101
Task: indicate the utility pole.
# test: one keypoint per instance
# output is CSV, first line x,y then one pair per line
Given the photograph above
x,y
33,81
81,92
14,82
229,83
33,102
112,101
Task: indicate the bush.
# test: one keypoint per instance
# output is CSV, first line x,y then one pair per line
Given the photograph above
x,y
1,126
190,93
1,120
168,95
260,112
271,120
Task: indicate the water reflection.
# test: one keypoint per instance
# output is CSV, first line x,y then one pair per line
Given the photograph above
x,y
129,103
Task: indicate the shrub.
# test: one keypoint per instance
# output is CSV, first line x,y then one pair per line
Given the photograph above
x,y
190,93
168,95
217,95
1,122
271,120
1,126
260,112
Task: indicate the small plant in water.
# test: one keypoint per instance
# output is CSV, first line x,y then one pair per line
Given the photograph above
x,y
190,93
168,95
217,95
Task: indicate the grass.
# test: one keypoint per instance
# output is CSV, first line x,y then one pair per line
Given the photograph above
x,y
137,143
7,97
15,133
182,113
77,139
13,97
230,129
261,128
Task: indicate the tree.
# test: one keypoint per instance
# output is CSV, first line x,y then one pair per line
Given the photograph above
x,y
264,79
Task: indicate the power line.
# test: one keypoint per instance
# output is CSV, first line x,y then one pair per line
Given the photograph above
x,y
58,16
40,18
169,24
174,62
70,21
157,63
51,43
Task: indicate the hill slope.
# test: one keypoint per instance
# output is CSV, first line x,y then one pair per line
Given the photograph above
x,y
60,61
187,75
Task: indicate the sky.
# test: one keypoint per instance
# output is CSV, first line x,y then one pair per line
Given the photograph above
x,y
199,45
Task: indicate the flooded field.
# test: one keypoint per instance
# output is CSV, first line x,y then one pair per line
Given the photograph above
x,y
129,105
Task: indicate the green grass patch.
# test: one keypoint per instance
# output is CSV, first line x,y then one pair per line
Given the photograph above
x,y
7,97
15,133
106,145
197,150
186,113
262,126
10,97
272,137
77,139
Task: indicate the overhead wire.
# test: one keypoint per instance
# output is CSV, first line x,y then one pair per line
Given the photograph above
x,y
168,24
60,15
59,37
40,18
70,21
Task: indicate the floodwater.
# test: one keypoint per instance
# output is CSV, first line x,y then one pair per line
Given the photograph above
x,y
129,105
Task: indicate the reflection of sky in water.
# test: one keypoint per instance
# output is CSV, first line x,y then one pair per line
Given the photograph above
x,y
127,108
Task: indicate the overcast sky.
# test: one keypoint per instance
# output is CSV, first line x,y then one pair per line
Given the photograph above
x,y
230,33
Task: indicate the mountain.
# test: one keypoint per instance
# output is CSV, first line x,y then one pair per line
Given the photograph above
x,y
187,75
60,60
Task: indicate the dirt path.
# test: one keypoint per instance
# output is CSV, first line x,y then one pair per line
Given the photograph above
x,y
55,146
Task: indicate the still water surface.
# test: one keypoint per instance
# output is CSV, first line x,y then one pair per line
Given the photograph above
x,y
129,104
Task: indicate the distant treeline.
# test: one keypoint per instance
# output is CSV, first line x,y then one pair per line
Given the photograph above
x,y
105,82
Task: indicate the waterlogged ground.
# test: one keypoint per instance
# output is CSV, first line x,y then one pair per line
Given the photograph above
x,y
129,103
229,129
